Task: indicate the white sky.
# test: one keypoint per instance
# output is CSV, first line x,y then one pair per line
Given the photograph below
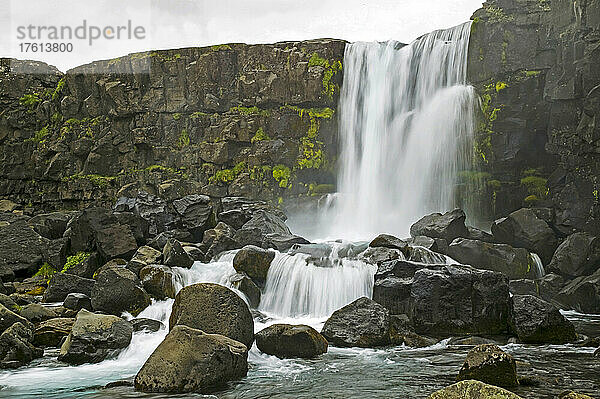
x,y
189,23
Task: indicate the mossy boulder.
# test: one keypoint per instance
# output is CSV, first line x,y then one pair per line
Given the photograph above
x,y
471,389
490,364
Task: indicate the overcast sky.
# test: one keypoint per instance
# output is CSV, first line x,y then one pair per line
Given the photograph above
x,y
188,23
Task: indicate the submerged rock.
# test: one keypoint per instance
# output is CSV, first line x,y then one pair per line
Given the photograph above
x,y
448,226
94,337
536,321
471,389
190,360
490,364
16,348
288,341
255,262
214,309
363,323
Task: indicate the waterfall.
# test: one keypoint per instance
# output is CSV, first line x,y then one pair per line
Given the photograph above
x,y
539,266
298,286
406,126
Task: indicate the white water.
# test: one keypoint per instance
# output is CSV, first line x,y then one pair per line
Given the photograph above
x,y
406,128
539,266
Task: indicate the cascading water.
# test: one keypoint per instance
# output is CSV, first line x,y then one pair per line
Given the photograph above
x,y
406,126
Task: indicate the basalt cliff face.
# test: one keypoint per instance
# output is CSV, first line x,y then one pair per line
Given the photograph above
x,y
536,66
261,120
247,120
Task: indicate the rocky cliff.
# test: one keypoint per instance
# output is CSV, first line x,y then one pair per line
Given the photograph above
x,y
536,66
251,120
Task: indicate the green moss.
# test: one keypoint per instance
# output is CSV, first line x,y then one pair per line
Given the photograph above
x,y
184,139
250,111
176,116
495,184
282,175
319,189
260,135
545,5
40,135
500,86
56,118
497,15
75,260
163,56
97,180
58,89
531,73
30,101
46,271
536,186
220,47
197,115
531,199
228,175
331,69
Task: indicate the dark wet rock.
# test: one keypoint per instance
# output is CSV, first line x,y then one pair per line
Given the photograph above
x,y
387,241
76,301
523,229
490,364
478,234
283,242
196,214
195,253
118,290
152,209
94,337
139,227
402,333
117,384
242,282
35,285
190,360
536,321
51,332
255,262
237,211
144,256
438,245
456,299
448,226
111,264
116,241
23,299
62,284
289,341
394,293
218,240
582,294
51,225
362,323
515,263
87,267
546,287
36,313
161,239
56,251
377,255
146,325
470,341
16,348
22,250
8,302
260,227
424,255
174,255
578,255
472,389
213,309
158,281
8,318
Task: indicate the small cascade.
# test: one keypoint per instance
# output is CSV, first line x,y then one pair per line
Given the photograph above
x,y
297,286
539,266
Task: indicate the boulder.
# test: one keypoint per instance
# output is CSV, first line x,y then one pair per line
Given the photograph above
x,y
8,318
195,253
196,214
378,255
490,364
477,234
174,255
438,245
402,333
363,323
62,284
283,242
218,240
516,263
161,239
87,267
536,321
523,229
51,332
22,250
149,207
573,395
111,264
457,299
36,313
255,262
77,301
116,241
471,389
393,292
262,224
214,309
9,303
94,337
16,348
158,281
582,294
118,290
546,287
144,256
146,325
244,284
237,211
387,241
289,341
51,225
578,255
190,360
448,226
137,225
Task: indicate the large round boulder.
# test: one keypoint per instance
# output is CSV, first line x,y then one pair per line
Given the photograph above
x,y
288,341
94,337
471,389
214,309
362,323
118,290
158,281
490,364
255,262
536,321
448,226
190,360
